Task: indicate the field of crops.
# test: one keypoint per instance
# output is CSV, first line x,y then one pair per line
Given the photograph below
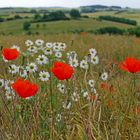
x,y
72,87
15,27
132,14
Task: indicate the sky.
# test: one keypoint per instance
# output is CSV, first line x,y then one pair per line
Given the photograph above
x,y
68,3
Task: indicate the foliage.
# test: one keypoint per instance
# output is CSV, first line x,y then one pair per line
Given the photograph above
x,y
134,31
26,26
118,19
53,16
1,19
110,30
75,13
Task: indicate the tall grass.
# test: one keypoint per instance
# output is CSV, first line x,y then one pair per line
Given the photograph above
x,y
110,114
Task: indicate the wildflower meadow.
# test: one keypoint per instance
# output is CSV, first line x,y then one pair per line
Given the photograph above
x,y
70,87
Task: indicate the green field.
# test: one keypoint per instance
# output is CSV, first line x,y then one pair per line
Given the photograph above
x,y
132,14
16,26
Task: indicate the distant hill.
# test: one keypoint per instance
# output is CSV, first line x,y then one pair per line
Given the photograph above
x,y
94,8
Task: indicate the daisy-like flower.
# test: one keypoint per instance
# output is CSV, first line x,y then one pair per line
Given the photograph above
x,y
56,47
58,117
75,97
94,90
7,84
23,73
44,76
32,67
39,42
63,46
72,55
104,76
42,59
73,62
58,54
32,49
91,83
13,69
49,44
16,47
10,94
93,52
1,83
85,93
48,51
67,105
94,60
29,43
84,64
61,88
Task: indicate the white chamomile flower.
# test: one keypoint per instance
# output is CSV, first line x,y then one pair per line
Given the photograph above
x,y
63,46
32,49
73,62
84,64
7,84
23,73
61,88
28,43
44,76
75,97
67,105
85,94
48,51
16,47
10,94
94,60
56,47
58,117
1,83
91,83
72,55
42,59
49,44
39,42
94,90
13,69
32,67
58,54
104,76
93,52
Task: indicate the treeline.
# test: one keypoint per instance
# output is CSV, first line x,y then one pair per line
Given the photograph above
x,y
53,16
118,19
12,18
110,31
115,30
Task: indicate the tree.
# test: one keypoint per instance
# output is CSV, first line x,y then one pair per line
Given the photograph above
x,y
37,17
75,13
26,26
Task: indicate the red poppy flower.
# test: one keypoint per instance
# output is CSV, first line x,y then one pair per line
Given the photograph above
x,y
108,87
131,65
10,54
62,71
92,97
83,33
24,88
